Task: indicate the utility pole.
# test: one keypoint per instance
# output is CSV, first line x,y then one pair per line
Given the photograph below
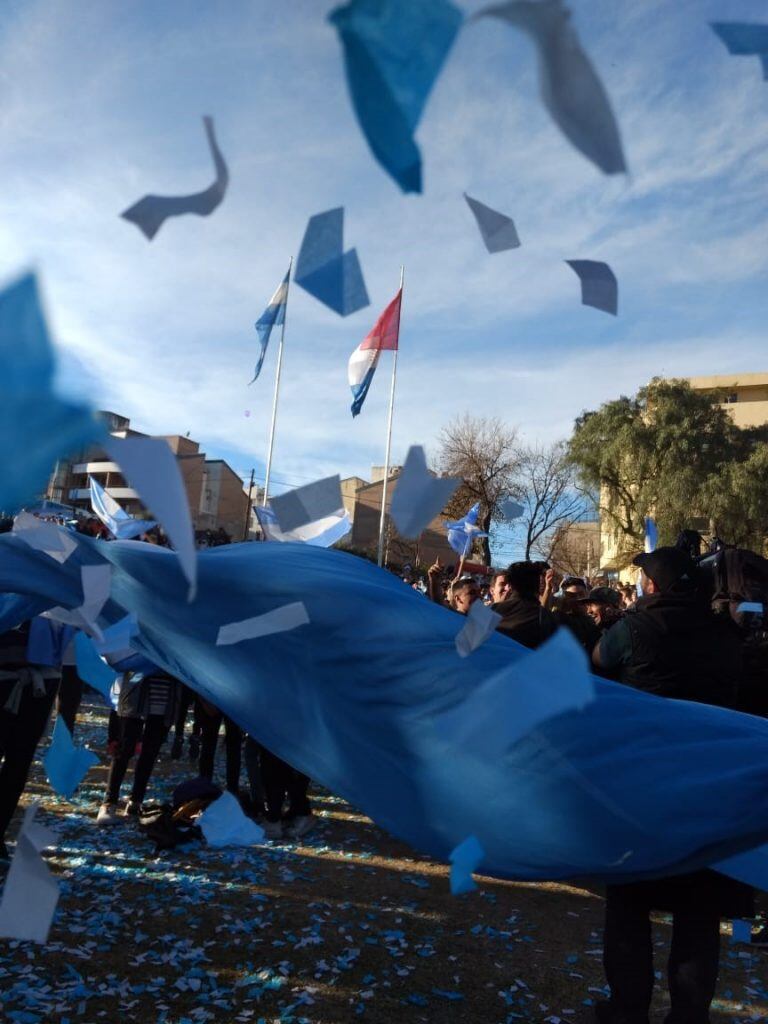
x,y
247,522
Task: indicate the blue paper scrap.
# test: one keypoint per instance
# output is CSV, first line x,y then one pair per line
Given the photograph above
x,y
33,419
65,763
599,287
393,53
570,87
327,272
150,213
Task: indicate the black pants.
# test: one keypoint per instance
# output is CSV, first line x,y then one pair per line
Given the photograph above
x,y
19,736
253,771
152,733
70,696
281,780
186,700
628,956
233,741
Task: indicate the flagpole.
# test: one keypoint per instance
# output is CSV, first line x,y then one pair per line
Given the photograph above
x,y
383,516
277,388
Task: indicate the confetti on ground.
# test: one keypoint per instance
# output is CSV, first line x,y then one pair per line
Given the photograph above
x,y
346,925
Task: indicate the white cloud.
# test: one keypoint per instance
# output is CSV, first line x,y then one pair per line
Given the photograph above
x,y
99,107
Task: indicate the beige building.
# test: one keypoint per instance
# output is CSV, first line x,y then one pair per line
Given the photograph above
x,y
214,491
575,549
744,395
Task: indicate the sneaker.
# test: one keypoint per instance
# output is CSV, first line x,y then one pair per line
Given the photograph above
x,y
273,829
108,815
301,825
176,747
132,809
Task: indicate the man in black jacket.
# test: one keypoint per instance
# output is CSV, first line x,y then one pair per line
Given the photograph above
x,y
671,645
522,616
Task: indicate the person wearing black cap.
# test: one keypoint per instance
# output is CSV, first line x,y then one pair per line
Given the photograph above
x,y
603,606
671,645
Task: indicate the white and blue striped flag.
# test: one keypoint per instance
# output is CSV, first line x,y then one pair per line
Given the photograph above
x,y
273,314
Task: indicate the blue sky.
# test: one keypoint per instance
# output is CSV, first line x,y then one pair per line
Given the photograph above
x,y
101,103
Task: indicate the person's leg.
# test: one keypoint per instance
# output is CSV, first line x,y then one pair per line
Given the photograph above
x,y
129,732
209,734
298,800
70,696
694,960
274,775
155,732
186,698
627,954
253,771
22,737
233,741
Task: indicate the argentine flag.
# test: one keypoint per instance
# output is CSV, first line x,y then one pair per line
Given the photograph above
x,y
115,518
365,358
273,314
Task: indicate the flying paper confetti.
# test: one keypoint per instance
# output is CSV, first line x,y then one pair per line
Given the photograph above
x,y
95,581
150,213
36,426
498,230
151,468
480,623
327,272
419,496
465,859
66,764
599,287
289,616
744,40
30,893
54,540
223,823
570,87
476,723
91,668
393,53
511,509
308,504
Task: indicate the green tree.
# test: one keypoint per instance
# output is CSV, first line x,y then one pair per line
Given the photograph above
x,y
737,500
657,453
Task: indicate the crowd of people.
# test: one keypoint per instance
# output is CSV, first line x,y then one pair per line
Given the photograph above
x,y
662,636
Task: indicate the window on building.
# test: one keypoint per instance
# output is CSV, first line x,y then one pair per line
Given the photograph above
x,y
731,398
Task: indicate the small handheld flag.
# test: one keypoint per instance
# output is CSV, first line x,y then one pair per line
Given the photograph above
x,y
462,533
365,358
273,314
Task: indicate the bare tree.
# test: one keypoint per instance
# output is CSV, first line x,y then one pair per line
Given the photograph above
x,y
485,454
548,493
572,548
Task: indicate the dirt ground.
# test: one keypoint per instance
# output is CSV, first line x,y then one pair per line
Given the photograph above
x,y
348,925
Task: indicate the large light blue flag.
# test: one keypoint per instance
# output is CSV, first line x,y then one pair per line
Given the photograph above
x,y
272,315
367,698
115,518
